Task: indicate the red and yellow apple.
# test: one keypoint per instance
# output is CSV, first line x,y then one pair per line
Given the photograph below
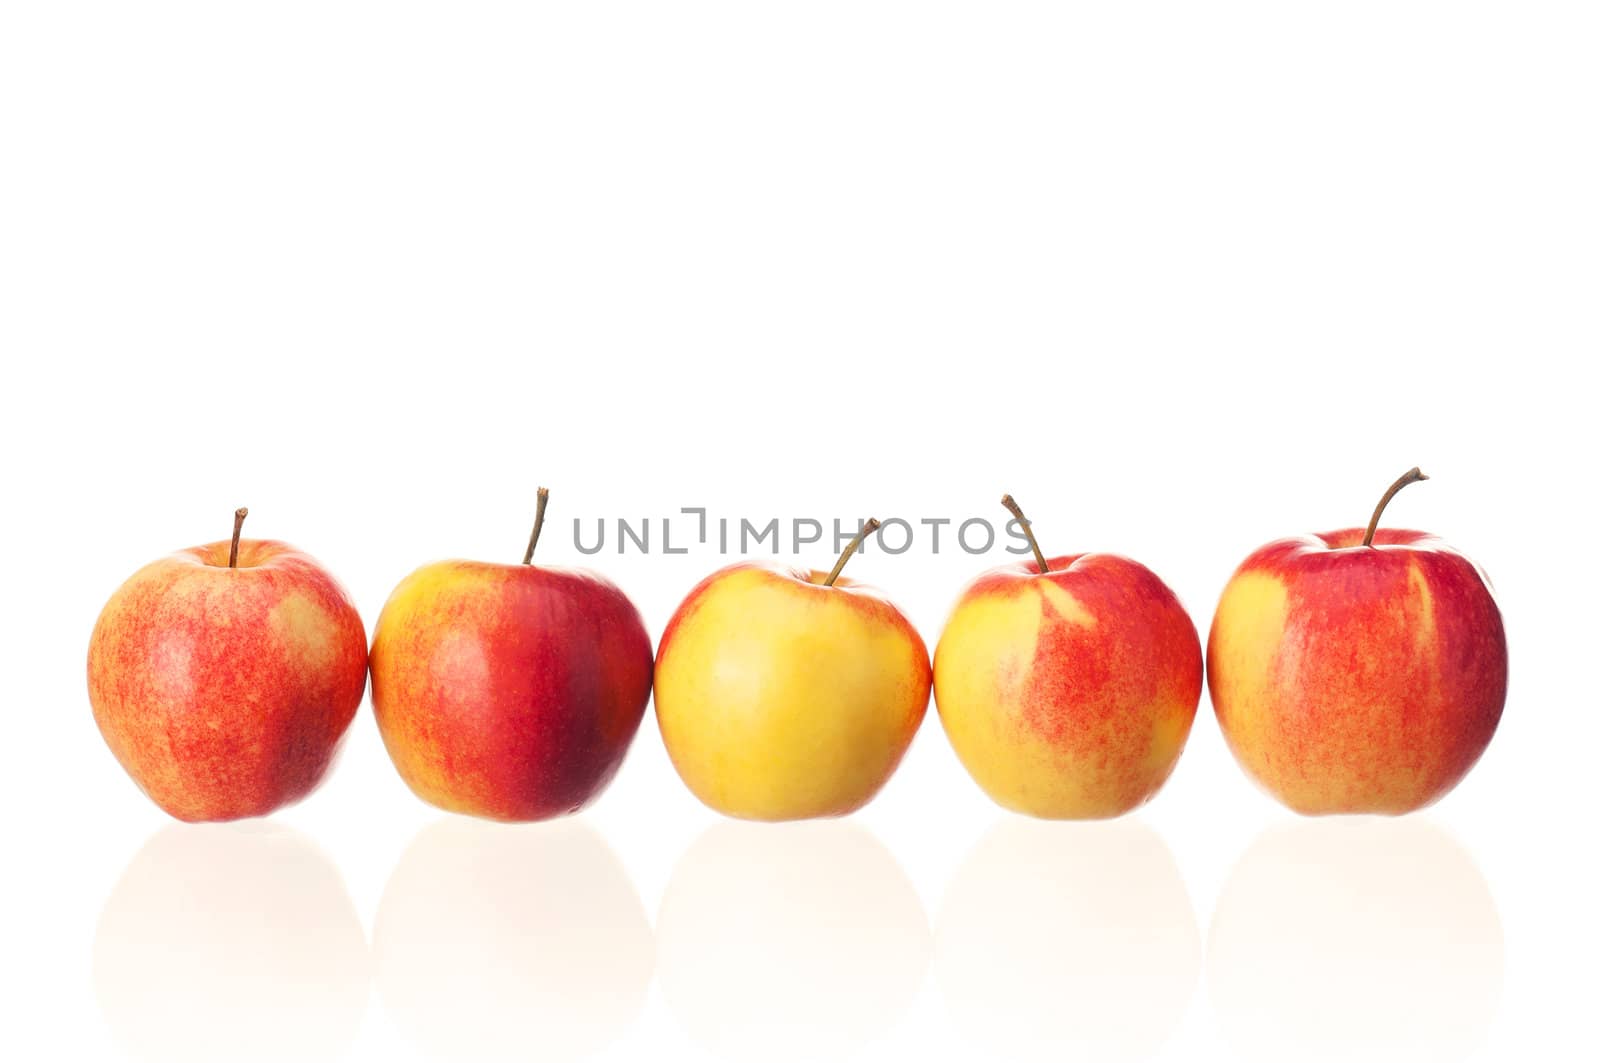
x,y
787,694
1068,685
509,692
1358,672
224,676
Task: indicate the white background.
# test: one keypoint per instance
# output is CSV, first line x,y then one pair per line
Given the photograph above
x,y
1183,277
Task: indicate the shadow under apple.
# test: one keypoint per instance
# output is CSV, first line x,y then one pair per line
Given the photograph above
x,y
231,941
790,941
1355,938
497,941
1064,940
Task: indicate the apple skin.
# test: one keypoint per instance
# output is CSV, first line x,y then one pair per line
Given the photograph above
x,y
225,692
1351,678
1068,694
509,692
780,698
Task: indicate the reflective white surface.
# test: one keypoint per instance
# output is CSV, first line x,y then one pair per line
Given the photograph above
x,y
793,941
505,942
1068,941
1330,939
1373,939
236,941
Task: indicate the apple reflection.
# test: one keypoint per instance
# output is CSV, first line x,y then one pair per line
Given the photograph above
x,y
496,941
792,940
231,941
1067,940
1355,938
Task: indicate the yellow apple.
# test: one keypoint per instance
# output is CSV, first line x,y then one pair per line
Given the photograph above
x,y
785,694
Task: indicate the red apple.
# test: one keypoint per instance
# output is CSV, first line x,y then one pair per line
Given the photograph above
x,y
224,676
1068,685
1358,671
510,692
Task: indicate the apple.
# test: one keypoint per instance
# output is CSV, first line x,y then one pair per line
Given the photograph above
x,y
225,676
510,692
1068,685
784,693
1358,672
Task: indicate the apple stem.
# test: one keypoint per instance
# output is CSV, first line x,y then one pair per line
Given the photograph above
x,y
1410,477
838,566
538,524
238,522
1027,529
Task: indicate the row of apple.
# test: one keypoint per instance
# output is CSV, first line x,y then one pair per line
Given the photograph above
x,y
1357,671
